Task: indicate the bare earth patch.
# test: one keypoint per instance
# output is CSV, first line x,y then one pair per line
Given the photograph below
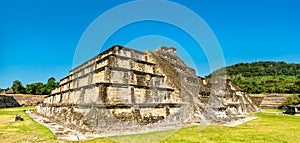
x,y
239,122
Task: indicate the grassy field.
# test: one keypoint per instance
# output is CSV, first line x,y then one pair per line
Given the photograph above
x,y
268,127
25,131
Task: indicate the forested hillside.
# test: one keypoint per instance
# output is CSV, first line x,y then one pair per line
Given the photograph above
x,y
264,77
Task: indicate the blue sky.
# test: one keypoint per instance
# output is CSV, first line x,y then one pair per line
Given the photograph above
x,y
38,39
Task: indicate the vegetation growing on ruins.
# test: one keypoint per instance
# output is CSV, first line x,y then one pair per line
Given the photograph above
x,y
292,100
264,77
37,88
267,128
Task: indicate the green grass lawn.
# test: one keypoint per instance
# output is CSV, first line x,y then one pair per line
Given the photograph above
x,y
22,131
267,128
273,110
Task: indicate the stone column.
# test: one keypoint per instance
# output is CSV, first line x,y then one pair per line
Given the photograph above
x,y
102,93
107,73
131,78
112,61
132,95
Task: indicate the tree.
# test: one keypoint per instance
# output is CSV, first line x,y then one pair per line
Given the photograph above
x,y
34,88
297,86
30,89
39,86
264,77
292,100
18,87
51,84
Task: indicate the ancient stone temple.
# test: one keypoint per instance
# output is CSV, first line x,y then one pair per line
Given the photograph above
x,y
225,100
125,89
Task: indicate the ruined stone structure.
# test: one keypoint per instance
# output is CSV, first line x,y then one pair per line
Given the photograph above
x,y
28,100
8,102
292,109
125,89
272,101
225,100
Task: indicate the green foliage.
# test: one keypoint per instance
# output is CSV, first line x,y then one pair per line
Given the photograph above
x,y
35,88
51,84
40,88
292,100
18,87
264,77
261,69
1,89
268,84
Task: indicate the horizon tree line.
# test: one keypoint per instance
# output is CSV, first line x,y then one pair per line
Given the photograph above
x,y
37,88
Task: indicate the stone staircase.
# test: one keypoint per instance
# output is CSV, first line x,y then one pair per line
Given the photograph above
x,y
272,101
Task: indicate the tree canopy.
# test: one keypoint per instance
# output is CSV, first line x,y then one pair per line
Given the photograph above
x,y
37,88
263,77
293,99
17,87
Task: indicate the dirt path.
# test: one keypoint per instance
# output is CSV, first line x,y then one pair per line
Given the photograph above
x,y
59,130
239,122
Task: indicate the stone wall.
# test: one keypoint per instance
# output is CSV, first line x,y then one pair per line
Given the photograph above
x,y
224,100
181,78
272,101
8,102
257,100
29,100
121,82
123,88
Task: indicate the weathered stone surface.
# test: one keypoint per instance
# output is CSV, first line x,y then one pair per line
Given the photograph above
x,y
124,89
292,109
225,100
257,100
28,100
272,101
8,102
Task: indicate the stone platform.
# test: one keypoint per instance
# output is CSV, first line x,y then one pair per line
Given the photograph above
x,y
122,89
